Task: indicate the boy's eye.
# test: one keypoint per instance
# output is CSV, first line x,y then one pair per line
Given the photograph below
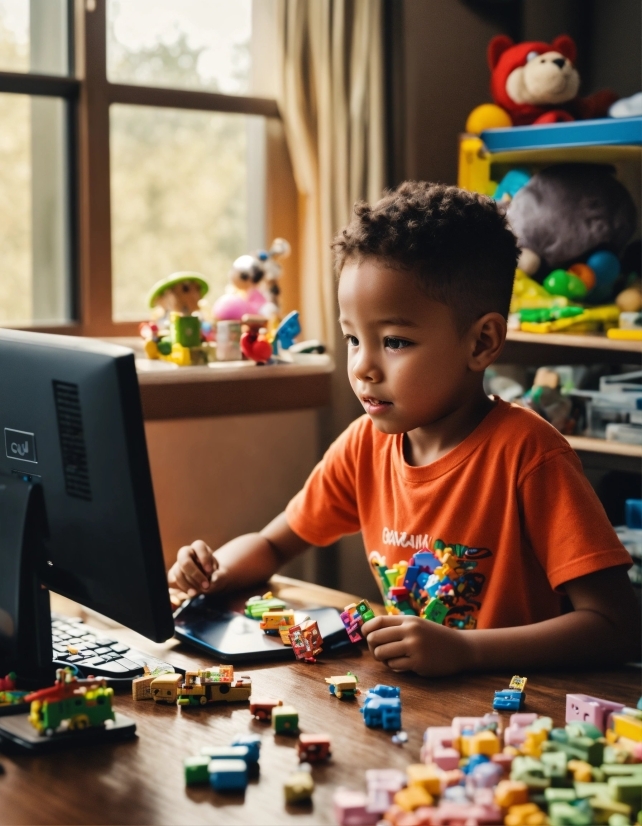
x,y
393,343
353,341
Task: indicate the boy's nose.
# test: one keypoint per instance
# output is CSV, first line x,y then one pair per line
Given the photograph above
x,y
365,369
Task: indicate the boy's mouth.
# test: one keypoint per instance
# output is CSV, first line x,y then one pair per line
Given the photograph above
x,y
374,406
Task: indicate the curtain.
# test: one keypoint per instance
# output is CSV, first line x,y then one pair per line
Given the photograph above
x,y
331,97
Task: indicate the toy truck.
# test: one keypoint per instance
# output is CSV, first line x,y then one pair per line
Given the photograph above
x,y
70,704
204,687
343,685
313,748
261,708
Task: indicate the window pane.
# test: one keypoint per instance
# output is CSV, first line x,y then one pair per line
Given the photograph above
x,y
194,44
179,182
35,286
34,36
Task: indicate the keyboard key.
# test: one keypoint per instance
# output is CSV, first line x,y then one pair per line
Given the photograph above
x,y
61,655
104,650
120,648
74,658
74,641
106,642
128,664
88,663
111,668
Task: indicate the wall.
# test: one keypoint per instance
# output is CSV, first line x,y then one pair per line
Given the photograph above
x,y
216,478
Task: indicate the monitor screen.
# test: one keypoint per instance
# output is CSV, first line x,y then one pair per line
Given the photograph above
x,y
71,420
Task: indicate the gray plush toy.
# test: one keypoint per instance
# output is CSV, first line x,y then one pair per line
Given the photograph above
x,y
566,211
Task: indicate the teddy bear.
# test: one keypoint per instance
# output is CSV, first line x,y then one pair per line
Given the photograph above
x,y
536,82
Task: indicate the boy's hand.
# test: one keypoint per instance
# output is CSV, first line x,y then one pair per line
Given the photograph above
x,y
407,643
196,570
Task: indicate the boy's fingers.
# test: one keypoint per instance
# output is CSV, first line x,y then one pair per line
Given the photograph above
x,y
400,664
389,651
191,569
380,622
177,580
384,635
205,556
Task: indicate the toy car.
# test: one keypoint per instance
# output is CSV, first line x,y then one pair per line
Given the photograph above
x,y
261,708
71,704
313,748
203,687
343,685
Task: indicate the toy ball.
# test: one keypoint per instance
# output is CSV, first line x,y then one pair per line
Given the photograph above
x,y
585,274
606,266
230,308
487,116
560,282
630,300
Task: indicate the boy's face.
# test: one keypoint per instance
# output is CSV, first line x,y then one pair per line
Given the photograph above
x,y
408,363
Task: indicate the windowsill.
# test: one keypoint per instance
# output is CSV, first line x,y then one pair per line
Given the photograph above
x,y
228,388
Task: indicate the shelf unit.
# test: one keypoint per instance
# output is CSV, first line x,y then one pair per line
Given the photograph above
x,y
489,156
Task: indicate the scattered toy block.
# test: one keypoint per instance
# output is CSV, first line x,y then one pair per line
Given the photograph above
x,y
586,709
285,720
313,748
350,808
252,742
298,787
625,725
484,742
526,814
227,753
419,774
228,775
412,798
196,770
261,707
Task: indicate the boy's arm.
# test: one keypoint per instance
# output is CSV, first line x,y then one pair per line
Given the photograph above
x,y
242,562
603,629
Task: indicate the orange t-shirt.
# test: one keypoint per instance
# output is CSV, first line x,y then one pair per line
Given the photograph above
x,y
512,496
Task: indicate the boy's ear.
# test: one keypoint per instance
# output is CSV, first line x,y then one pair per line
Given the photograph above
x,y
488,335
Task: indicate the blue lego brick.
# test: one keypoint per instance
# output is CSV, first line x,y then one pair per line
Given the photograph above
x,y
411,576
426,560
382,712
252,743
422,579
228,775
385,690
509,700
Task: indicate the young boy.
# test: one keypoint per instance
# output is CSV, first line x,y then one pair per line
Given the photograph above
x,y
425,279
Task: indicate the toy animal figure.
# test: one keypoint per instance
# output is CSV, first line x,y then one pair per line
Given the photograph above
x,y
537,82
254,343
179,293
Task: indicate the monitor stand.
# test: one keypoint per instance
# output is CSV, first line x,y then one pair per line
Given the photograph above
x,y
25,616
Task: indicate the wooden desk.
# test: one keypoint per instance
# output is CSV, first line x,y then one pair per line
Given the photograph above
x,y
141,781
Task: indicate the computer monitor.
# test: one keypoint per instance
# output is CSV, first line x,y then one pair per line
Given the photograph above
x,y
71,422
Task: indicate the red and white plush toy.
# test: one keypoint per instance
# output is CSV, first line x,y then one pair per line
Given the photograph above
x,y
536,82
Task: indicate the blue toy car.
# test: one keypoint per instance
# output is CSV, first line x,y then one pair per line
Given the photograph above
x,y
383,712
509,700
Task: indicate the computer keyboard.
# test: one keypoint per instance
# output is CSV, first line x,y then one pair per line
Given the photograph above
x,y
96,654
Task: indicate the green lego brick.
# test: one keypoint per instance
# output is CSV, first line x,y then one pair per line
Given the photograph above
x,y
435,611
196,770
621,769
285,720
627,789
559,795
565,814
591,789
583,730
554,764
186,330
530,771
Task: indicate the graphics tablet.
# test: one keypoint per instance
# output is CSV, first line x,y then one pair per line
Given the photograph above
x,y
225,631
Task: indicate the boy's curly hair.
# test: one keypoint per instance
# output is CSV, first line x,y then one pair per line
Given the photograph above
x,y
457,243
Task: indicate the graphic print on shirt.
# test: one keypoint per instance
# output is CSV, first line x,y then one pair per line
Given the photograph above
x,y
438,582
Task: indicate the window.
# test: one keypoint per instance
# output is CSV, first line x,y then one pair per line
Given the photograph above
x,y
143,156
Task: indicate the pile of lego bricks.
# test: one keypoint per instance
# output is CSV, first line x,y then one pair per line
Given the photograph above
x,y
531,773
428,584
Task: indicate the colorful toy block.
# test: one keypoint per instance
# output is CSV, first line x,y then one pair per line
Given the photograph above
x,y
228,775
298,787
252,742
351,808
261,707
343,685
285,720
382,712
313,748
227,753
196,770
255,607
306,640
509,700
586,709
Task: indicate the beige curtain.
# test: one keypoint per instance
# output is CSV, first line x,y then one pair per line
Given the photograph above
x,y
331,96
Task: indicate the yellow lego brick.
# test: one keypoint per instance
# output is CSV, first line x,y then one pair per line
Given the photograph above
x,y
464,745
484,742
424,776
623,334
582,771
518,683
629,727
528,814
412,798
532,744
603,807
511,793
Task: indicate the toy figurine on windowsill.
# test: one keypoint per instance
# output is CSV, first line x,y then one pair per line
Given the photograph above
x,y
177,333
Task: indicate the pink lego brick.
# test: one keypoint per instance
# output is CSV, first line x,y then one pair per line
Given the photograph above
x,y
585,709
435,736
446,758
503,760
515,732
469,813
350,808
522,719
383,784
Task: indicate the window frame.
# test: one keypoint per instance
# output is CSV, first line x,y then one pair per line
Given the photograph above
x,y
89,95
